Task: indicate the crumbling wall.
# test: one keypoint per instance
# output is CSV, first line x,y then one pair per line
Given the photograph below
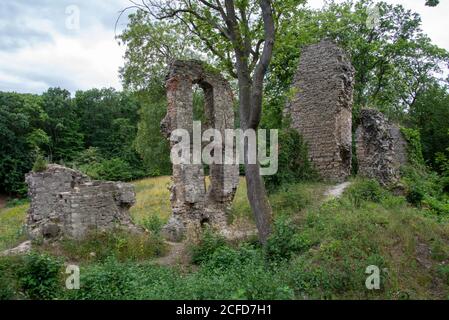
x,y
193,204
321,109
66,203
381,148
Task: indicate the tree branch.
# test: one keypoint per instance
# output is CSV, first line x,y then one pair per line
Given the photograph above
x,y
262,66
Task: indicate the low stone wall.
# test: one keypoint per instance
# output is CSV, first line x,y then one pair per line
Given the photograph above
x,y
66,203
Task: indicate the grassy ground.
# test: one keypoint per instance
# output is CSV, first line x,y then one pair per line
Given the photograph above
x,y
11,225
319,249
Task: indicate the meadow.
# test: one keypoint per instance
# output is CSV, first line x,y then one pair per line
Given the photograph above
x,y
320,249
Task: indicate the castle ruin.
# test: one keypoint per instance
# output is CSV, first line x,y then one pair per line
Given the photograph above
x,y
193,203
321,109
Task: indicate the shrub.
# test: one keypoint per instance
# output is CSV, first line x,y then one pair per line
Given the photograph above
x,y
284,241
110,280
365,190
415,195
39,276
414,146
40,164
8,282
153,224
424,188
208,244
114,169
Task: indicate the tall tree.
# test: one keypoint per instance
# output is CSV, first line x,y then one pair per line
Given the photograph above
x,y
240,36
394,60
62,125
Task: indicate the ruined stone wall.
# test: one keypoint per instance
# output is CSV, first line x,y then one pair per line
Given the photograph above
x,y
381,148
66,203
192,203
321,109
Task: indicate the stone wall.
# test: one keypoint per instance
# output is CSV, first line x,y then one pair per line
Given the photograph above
x,y
193,204
381,148
66,203
321,109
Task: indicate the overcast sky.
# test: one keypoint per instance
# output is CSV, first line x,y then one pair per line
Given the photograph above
x,y
42,45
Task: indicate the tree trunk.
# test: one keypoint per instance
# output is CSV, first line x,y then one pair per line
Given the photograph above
x,y
258,200
256,192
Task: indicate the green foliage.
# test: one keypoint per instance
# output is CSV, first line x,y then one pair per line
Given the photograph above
x,y
442,161
425,189
19,115
39,276
289,199
293,161
40,164
414,147
429,115
285,241
8,281
153,224
109,280
208,244
62,125
394,60
121,245
95,131
114,169
318,253
365,190
150,46
149,143
432,3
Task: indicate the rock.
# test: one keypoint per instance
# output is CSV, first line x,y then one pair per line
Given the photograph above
x,y
381,148
321,110
50,230
23,248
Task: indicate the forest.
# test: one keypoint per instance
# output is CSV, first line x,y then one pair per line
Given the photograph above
x,y
315,250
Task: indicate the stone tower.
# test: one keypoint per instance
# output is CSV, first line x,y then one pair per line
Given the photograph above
x,y
321,109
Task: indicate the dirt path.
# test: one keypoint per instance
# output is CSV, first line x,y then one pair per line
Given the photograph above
x,y
177,254
336,192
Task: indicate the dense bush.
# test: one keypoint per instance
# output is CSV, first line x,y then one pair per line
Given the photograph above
x,y
8,281
40,276
365,190
285,240
425,189
414,146
40,164
207,245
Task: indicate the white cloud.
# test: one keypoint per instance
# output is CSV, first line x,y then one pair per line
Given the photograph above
x,y
37,51
72,59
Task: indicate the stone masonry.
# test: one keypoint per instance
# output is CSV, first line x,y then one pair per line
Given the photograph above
x,y
381,148
192,203
321,109
66,203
